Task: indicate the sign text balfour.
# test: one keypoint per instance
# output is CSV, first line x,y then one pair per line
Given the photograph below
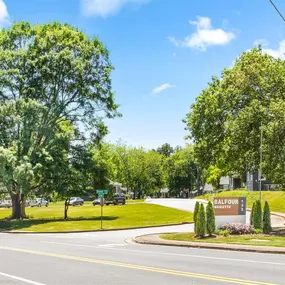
x,y
229,206
229,210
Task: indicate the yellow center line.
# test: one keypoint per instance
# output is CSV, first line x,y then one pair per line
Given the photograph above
x,y
139,267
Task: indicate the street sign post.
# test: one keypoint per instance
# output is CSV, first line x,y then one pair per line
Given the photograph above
x,y
101,194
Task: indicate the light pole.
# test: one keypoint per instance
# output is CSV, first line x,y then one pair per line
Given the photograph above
x,y
192,175
260,162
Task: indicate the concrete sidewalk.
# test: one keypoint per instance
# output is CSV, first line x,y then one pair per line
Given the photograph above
x,y
154,239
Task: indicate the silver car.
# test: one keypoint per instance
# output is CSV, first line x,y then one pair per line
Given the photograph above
x,y
38,202
76,201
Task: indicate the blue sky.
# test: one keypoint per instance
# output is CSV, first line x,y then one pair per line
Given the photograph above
x,y
164,51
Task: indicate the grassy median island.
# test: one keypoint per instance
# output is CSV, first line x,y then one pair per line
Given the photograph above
x,y
87,217
276,199
257,240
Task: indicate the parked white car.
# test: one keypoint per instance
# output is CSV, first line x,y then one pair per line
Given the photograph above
x,y
5,204
38,202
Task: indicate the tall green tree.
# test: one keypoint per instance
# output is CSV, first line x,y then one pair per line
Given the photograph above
x,y
182,171
50,74
213,176
139,170
227,118
166,149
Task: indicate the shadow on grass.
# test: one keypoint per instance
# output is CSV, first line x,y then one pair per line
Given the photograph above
x,y
10,225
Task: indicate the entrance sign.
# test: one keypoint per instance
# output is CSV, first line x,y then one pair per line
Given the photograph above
x,y
225,206
229,210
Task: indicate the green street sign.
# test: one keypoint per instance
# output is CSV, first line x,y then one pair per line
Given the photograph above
x,y
100,195
102,192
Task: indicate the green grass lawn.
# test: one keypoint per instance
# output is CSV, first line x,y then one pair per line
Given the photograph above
x,y
135,201
49,219
259,240
276,199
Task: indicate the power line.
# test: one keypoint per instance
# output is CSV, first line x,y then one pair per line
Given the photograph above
x,y
275,7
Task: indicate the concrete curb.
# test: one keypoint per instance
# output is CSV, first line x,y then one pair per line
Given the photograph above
x,y
154,239
272,213
95,231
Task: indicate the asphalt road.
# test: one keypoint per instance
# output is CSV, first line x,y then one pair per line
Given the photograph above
x,y
107,258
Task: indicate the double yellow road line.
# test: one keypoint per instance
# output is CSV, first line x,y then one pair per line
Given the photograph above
x,y
139,267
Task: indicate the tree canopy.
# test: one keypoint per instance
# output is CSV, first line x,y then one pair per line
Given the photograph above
x,y
55,84
227,118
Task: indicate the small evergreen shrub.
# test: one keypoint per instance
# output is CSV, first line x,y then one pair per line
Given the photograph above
x,y
201,222
210,219
266,219
196,210
252,214
257,218
224,233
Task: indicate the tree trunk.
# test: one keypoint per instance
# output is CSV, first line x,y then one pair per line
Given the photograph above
x,y
66,208
18,206
23,207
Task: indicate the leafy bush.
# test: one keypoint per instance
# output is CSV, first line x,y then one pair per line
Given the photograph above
x,y
201,221
196,210
224,233
266,219
210,219
238,229
257,231
257,218
252,214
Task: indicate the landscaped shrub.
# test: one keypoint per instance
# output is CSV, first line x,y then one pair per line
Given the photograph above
x,y
224,233
257,231
266,219
252,214
201,221
257,218
210,219
196,210
238,229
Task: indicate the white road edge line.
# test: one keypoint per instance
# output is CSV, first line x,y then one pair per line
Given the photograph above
x,y
21,279
112,244
168,253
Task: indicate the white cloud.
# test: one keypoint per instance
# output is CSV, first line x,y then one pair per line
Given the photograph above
x,y
277,53
262,42
104,8
162,87
204,36
4,15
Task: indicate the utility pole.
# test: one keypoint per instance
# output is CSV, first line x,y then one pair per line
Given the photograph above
x,y
260,162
